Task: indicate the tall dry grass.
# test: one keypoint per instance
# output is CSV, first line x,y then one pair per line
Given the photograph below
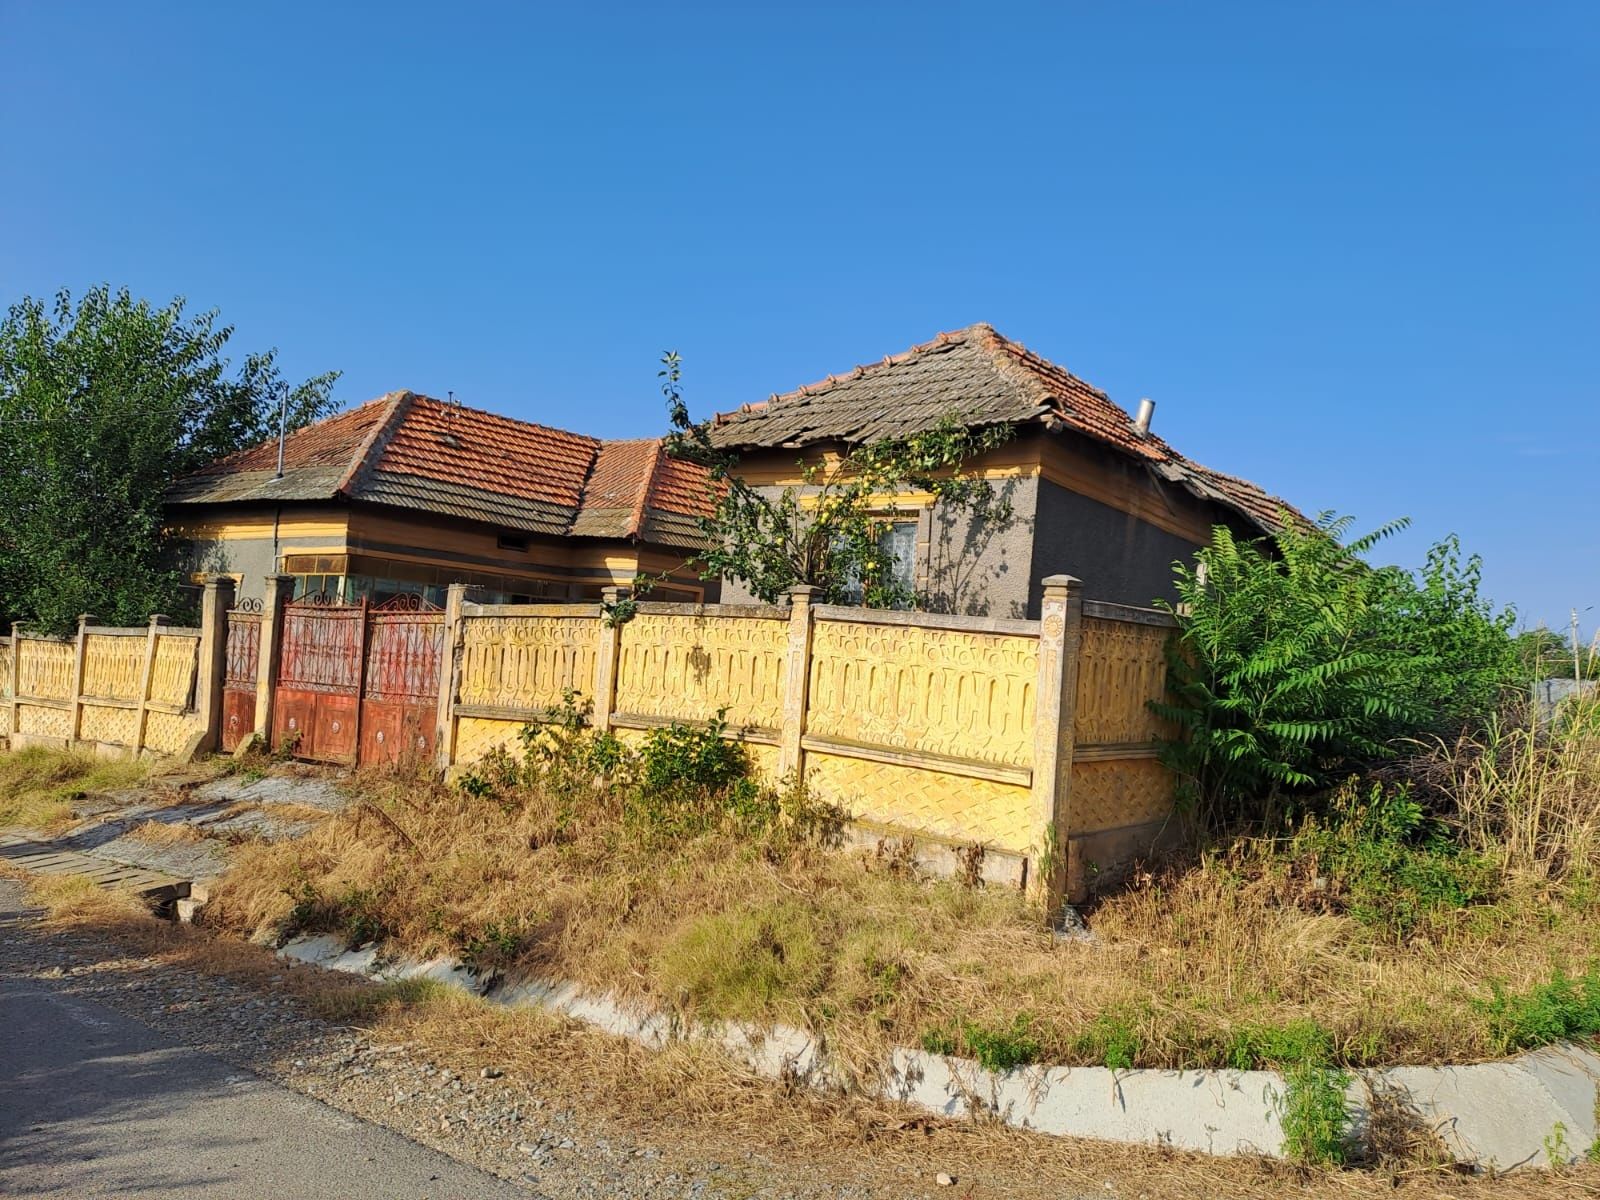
x,y
1527,795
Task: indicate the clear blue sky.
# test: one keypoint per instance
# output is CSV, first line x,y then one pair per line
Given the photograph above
x,y
1353,252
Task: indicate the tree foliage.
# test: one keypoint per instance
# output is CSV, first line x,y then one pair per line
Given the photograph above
x,y
103,403
1298,662
827,531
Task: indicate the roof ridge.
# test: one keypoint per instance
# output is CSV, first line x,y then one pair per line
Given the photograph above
x,y
364,459
646,487
952,337
484,412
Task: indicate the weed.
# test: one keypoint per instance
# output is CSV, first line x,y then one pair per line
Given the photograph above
x,y
38,787
1556,1150
1252,1047
367,1002
1113,1039
745,963
1001,1048
1547,1012
1312,1111
492,947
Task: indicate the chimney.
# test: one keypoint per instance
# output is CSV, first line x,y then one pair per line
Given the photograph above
x,y
1141,423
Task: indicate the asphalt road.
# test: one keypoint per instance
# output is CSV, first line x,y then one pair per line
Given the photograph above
x,y
95,1104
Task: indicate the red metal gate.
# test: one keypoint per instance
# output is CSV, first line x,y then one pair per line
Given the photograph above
x,y
239,679
405,637
316,702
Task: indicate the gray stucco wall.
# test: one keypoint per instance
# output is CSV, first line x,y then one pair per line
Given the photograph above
x,y
1119,557
251,558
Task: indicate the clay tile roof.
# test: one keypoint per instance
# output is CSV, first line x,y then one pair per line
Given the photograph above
x,y
412,451
315,461
982,378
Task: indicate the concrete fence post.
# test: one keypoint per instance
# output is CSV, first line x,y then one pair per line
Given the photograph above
x,y
147,680
16,678
605,659
212,668
279,590
444,725
77,679
796,684
1055,877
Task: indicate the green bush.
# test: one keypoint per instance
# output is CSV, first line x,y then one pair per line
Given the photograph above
x,y
1298,663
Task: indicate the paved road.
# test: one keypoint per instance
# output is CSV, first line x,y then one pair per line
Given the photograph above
x,y
94,1104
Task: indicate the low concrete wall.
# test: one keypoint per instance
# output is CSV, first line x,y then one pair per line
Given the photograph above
x,y
1534,1110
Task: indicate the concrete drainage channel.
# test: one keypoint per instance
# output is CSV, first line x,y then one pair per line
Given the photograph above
x,y
1532,1111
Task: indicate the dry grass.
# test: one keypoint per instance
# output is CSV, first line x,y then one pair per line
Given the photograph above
x,y
38,786
165,833
700,1103
1185,965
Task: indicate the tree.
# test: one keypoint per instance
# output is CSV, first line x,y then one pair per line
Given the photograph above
x,y
828,531
1298,662
102,405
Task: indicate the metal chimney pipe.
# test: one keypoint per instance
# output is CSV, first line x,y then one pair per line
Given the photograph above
x,y
1141,423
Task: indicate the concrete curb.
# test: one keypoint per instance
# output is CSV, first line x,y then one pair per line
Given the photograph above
x,y
1535,1110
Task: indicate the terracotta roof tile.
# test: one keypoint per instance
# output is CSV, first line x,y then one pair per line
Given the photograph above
x,y
416,452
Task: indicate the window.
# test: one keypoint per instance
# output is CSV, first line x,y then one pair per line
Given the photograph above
x,y
898,541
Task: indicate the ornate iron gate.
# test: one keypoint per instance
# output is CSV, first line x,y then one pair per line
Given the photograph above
x,y
239,679
405,638
316,708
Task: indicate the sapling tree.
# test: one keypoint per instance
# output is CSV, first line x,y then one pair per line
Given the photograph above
x,y
828,530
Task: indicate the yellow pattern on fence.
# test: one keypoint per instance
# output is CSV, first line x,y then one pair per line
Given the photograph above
x,y
113,666
1121,667
916,799
168,733
114,726
526,662
45,669
1119,793
477,736
939,691
172,675
686,667
47,722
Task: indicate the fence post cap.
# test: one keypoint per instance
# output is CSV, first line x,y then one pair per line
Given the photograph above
x,y
160,619
1061,582
803,592
615,591
85,618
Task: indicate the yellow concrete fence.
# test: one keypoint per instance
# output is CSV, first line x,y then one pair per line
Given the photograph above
x,y
1030,739
116,692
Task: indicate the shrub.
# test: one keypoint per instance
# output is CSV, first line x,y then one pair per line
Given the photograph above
x,y
1297,663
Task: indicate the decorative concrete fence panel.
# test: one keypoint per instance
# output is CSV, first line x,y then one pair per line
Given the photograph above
x,y
1122,795
685,662
513,664
918,722
114,691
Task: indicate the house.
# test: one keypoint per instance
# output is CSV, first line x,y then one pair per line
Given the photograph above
x,y
1094,492
409,494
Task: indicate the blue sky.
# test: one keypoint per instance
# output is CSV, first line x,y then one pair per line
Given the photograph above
x,y
1351,251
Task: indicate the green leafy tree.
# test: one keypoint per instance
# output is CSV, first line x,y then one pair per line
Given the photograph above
x,y
828,531
103,403
1298,662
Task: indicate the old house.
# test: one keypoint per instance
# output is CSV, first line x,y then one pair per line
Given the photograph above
x,y
1093,491
409,494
